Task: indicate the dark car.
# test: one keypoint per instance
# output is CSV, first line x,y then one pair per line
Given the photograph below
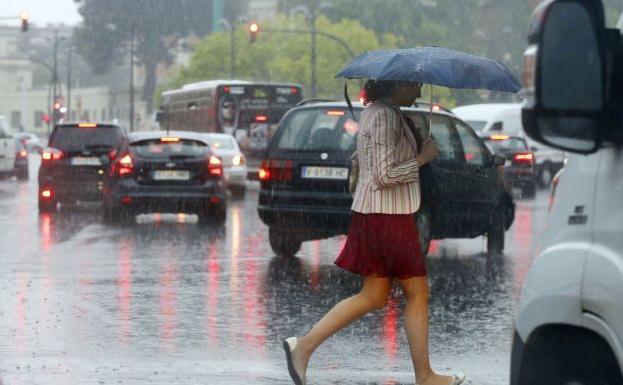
x,y
73,165
519,170
21,162
304,180
160,171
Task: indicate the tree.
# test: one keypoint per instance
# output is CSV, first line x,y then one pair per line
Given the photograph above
x,y
156,27
283,57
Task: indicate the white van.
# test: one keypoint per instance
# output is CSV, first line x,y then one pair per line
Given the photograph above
x,y
569,324
8,149
495,118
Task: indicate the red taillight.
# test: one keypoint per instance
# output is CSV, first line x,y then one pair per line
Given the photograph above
x,y
22,154
523,158
261,118
237,160
123,167
51,154
215,166
277,170
46,193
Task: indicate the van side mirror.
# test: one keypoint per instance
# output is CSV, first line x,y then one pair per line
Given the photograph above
x,y
565,75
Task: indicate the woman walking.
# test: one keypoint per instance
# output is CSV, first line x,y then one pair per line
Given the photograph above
x,y
383,240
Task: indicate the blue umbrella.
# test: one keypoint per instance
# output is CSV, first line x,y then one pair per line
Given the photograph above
x,y
432,65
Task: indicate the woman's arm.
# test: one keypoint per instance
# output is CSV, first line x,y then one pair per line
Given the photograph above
x,y
385,136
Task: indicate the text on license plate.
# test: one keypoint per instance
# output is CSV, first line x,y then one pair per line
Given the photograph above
x,y
171,175
85,161
339,173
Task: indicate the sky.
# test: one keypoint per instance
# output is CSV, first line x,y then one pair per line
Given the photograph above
x,y
41,12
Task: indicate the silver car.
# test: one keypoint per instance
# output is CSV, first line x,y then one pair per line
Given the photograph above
x,y
234,162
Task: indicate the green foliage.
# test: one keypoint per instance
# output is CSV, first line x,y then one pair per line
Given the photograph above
x,y
283,57
156,26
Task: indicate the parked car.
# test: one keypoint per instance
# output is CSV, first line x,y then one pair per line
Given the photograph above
x,y
569,322
21,162
505,118
73,165
165,171
234,163
30,141
304,180
519,171
8,149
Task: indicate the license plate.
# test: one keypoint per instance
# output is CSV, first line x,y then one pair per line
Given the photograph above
x,y
85,161
338,173
171,175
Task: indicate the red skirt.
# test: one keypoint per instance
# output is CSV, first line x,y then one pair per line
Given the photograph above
x,y
383,245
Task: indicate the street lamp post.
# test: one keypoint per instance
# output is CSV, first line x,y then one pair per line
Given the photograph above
x,y
69,49
232,46
132,79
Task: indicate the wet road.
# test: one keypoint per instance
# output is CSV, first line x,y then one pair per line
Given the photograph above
x,y
167,302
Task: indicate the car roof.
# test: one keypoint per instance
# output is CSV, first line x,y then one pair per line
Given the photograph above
x,y
147,135
360,106
484,111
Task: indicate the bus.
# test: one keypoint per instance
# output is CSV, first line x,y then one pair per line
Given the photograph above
x,y
250,111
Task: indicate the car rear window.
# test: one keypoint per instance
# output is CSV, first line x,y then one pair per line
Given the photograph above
x,y
323,129
222,143
159,149
74,138
512,144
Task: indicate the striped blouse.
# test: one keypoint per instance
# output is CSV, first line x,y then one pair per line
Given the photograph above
x,y
388,172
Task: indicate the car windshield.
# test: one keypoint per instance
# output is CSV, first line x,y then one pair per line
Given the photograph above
x,y
74,138
507,145
169,149
314,129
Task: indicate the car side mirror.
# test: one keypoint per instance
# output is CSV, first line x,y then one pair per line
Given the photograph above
x,y
498,160
159,116
565,75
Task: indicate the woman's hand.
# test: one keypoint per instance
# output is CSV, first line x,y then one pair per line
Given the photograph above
x,y
428,153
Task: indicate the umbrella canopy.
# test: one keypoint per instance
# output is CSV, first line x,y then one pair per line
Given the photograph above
x,y
432,65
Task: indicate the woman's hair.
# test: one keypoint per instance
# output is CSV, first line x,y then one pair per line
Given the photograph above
x,y
377,89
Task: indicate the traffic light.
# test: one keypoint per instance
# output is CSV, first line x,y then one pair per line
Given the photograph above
x,y
254,28
58,111
24,18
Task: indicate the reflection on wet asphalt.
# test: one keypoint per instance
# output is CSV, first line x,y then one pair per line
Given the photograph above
x,y
167,302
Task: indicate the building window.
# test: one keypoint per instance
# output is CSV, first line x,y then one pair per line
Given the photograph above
x,y
38,119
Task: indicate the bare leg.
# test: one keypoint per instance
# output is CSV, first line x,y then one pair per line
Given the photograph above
x,y
416,325
372,296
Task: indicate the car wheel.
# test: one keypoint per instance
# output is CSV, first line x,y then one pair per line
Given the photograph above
x,y
422,219
545,175
529,190
47,205
238,191
216,215
283,242
495,235
22,173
